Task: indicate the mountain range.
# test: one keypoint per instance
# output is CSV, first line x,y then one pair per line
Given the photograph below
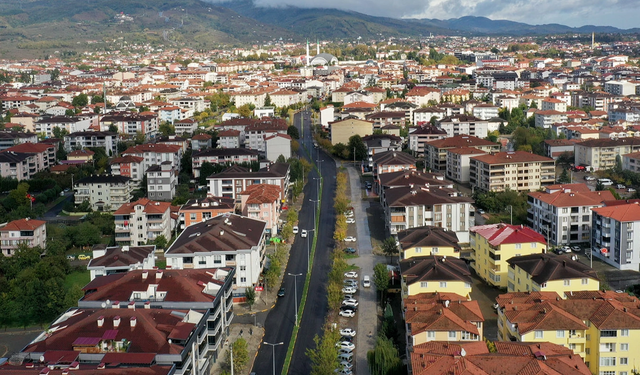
x,y
29,27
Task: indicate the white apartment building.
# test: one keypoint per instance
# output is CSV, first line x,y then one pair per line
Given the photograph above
x,y
156,153
423,134
545,119
82,140
459,161
623,88
161,181
616,235
142,221
563,212
485,111
515,170
601,153
464,125
104,192
26,231
71,124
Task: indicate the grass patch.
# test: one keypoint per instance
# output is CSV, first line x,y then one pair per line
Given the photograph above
x,y
161,264
352,267
351,256
80,278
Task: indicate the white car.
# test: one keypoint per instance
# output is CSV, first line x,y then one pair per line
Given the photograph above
x,y
348,214
350,282
295,230
348,290
352,274
346,345
343,371
351,220
348,296
303,234
350,302
631,190
348,332
347,313
350,239
366,281
566,249
346,365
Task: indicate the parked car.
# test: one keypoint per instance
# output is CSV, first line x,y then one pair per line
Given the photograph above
x,y
348,296
348,332
71,257
350,239
351,220
631,190
366,281
350,250
352,308
589,178
346,338
620,186
343,371
346,345
558,251
281,292
576,249
480,211
347,313
349,290
352,274
84,257
348,214
346,365
350,302
303,234
368,185
350,282
295,230
566,249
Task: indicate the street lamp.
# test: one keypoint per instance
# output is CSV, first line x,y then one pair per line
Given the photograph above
x,y
273,353
295,286
318,187
314,211
511,210
309,250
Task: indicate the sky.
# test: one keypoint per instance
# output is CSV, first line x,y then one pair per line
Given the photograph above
x,y
619,13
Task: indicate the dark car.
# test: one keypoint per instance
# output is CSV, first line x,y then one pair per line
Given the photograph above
x,y
350,250
352,308
281,292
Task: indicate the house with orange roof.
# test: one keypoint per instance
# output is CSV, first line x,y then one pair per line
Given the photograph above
x,y
26,231
262,202
142,221
421,95
563,212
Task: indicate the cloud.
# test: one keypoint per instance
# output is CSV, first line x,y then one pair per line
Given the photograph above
x,y
618,13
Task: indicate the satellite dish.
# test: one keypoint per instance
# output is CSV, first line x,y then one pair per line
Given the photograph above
x,y
41,358
108,302
463,352
104,305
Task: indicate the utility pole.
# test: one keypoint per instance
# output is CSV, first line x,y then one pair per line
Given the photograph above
x,y
295,286
314,212
273,353
231,352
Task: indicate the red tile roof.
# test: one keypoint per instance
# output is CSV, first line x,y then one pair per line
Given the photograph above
x,y
571,198
262,193
511,157
150,207
621,213
23,224
499,234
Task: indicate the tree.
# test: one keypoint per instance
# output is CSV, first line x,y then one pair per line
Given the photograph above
x,y
356,144
80,101
59,132
292,131
245,110
167,128
161,242
381,278
267,100
384,359
55,74
240,355
206,170
564,177
324,357
389,247
250,295
599,186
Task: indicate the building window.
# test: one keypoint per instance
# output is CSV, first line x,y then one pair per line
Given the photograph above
x,y
443,284
243,268
518,246
418,249
533,245
607,361
434,250
431,334
612,333
538,334
217,259
624,332
624,361
567,282
560,333
608,347
624,347
585,281
604,372
423,284
243,279
192,216
452,335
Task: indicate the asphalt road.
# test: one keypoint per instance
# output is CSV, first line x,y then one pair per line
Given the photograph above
x,y
55,210
280,320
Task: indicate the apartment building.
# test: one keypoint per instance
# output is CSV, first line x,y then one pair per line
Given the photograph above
x,y
130,123
142,221
485,111
199,210
85,139
235,179
207,291
514,170
616,235
601,327
109,260
71,124
493,245
459,161
563,212
262,201
418,137
441,316
203,141
225,156
392,161
256,133
545,119
423,116
601,153
445,358
464,125
229,139
103,192
156,153
415,206
277,145
409,178
227,240
427,240
186,126
549,272
27,232
128,166
10,138
17,165
44,154
342,130
161,181
631,162
435,274
435,152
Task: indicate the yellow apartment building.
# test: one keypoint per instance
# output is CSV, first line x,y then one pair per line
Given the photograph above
x,y
342,130
492,245
433,274
428,240
550,273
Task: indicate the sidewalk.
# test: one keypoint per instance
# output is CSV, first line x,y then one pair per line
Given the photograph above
x,y
253,336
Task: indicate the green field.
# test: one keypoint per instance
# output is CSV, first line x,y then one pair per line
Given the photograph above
x,y
81,278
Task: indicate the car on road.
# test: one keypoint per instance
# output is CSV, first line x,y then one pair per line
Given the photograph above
x,y
347,313
351,220
350,250
620,186
566,249
348,332
84,257
366,281
631,190
480,211
349,346
589,178
281,292
576,249
350,239
349,290
368,185
352,274
350,302
71,257
303,234
295,230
